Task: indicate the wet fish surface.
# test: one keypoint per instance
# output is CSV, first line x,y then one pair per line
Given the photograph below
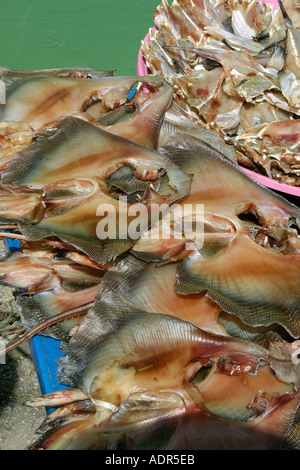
x,y
170,342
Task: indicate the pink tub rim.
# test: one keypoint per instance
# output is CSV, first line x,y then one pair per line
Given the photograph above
x,y
142,71
272,184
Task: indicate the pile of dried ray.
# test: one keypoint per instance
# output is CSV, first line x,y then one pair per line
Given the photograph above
x,y
171,278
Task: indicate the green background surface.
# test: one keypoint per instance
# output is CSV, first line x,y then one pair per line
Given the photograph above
x,y
101,34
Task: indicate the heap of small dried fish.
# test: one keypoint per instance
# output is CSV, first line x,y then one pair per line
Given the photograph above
x,y
170,342
234,65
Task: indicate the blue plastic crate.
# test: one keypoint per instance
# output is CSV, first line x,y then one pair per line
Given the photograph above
x,y
44,351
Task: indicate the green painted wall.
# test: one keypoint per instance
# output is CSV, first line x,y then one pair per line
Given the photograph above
x,y
101,34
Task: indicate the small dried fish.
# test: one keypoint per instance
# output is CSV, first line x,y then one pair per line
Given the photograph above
x,y
255,53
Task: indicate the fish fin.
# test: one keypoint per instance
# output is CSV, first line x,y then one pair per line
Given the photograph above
x,y
279,415
58,398
235,327
110,326
78,227
207,164
20,272
150,286
143,127
257,293
107,316
121,276
292,438
65,195
42,306
286,17
66,154
21,204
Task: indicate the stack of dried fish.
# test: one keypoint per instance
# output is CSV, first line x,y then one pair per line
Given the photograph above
x,y
234,65
175,338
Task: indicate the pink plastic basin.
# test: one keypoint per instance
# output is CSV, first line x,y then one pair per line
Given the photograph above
x,y
142,70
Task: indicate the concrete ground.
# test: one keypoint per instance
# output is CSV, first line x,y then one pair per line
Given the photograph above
x,y
18,383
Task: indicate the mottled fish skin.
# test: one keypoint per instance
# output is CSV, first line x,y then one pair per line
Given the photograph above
x,y
254,292
217,95
46,304
210,186
228,193
78,149
119,343
61,167
151,287
44,100
205,93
